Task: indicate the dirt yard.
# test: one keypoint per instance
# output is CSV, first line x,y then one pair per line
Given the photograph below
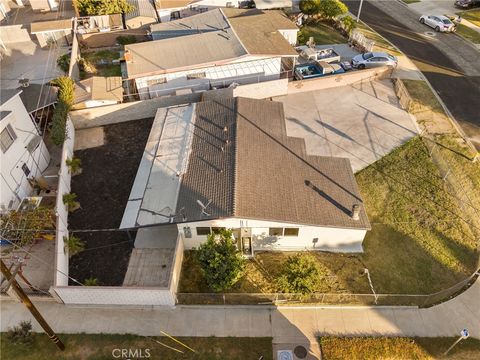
x,y
103,189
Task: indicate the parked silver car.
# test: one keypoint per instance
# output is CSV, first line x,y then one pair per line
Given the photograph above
x,y
373,59
439,22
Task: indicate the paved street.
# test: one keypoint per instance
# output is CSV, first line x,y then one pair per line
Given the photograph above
x,y
448,62
284,324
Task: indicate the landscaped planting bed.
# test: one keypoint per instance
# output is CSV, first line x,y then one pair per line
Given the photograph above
x,y
103,189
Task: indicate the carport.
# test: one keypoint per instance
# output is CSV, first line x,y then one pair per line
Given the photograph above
x,y
54,31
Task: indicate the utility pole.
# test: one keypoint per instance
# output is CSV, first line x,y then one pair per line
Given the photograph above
x,y
359,10
28,303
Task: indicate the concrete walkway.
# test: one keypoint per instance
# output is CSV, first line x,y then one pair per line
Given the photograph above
x,y
284,324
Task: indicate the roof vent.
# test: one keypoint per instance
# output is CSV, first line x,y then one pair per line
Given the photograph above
x,y
356,212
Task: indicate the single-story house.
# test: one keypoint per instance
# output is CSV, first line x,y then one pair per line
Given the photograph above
x,y
24,155
143,15
53,31
229,164
98,91
43,5
215,49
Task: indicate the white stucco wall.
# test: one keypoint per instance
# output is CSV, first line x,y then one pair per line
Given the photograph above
x,y
14,182
246,71
290,35
329,238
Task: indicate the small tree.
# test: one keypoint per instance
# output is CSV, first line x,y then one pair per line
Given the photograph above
x,y
70,202
73,244
104,7
301,274
63,62
221,262
309,7
331,9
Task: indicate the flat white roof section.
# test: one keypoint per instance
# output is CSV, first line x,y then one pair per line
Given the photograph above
x,y
154,194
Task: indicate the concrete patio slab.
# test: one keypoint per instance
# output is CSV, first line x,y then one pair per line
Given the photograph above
x,y
362,122
89,138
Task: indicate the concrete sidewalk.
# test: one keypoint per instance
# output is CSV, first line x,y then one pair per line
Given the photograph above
x,y
284,324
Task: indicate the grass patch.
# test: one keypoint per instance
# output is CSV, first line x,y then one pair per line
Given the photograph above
x,y
422,94
86,346
468,33
335,348
410,1
99,63
322,33
472,15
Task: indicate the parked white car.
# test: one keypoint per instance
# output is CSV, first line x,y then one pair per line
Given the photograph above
x,y
373,59
438,22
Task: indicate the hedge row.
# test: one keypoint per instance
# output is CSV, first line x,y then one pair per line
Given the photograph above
x,y
66,86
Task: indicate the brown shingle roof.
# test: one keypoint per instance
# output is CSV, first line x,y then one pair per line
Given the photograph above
x,y
52,25
258,30
99,88
261,173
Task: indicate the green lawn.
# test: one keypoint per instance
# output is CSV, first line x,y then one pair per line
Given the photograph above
x,y
468,34
397,348
96,347
322,33
410,1
471,15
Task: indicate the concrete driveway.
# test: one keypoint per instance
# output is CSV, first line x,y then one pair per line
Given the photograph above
x,y
362,122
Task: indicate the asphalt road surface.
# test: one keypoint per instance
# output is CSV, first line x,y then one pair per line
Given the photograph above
x,y
451,65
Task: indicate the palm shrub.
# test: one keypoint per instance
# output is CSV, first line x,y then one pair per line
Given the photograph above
x,y
91,282
348,23
70,201
221,262
20,334
74,165
73,244
301,274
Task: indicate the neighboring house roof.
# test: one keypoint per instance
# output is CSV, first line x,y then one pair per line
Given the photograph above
x,y
143,8
273,4
173,4
52,25
243,163
99,88
162,56
208,21
258,30
7,94
36,96
208,38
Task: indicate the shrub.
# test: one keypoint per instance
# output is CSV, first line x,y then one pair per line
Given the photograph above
x,y
21,333
73,244
125,40
332,8
104,7
74,165
69,200
348,23
91,282
221,262
63,62
309,7
58,131
301,274
66,89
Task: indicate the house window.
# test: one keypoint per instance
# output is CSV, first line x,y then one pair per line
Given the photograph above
x,y
217,230
7,137
156,81
203,231
276,231
25,169
290,232
283,231
196,76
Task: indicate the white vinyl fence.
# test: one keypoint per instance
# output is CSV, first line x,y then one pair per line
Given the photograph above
x,y
64,177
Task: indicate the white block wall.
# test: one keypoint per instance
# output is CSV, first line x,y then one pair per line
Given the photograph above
x,y
329,238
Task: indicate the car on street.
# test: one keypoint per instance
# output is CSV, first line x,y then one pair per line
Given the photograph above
x,y
373,59
466,4
438,22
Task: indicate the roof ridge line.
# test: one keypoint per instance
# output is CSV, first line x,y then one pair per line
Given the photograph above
x,y
234,33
